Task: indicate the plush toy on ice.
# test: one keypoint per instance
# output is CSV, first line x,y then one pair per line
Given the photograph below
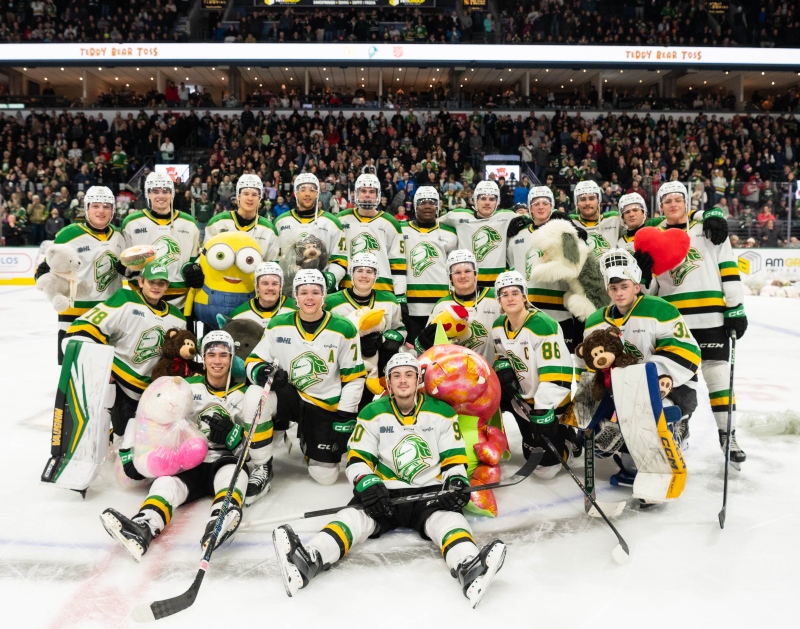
x,y
165,442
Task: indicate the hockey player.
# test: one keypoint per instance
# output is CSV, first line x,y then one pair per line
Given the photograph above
x,y
135,323
175,235
534,368
98,245
484,231
426,430
323,379
364,273
368,230
653,330
220,408
633,209
428,242
308,220
269,300
604,229
707,290
479,302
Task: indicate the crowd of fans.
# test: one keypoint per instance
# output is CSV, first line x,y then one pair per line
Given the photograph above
x,y
747,164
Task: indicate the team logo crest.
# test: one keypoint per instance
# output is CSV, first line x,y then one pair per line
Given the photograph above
x,y
517,364
531,260
477,336
679,273
598,244
105,270
149,345
305,369
483,241
630,348
409,457
167,251
364,243
422,257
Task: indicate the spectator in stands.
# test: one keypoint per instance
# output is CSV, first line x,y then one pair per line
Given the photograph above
x,y
53,225
167,149
13,235
765,216
769,235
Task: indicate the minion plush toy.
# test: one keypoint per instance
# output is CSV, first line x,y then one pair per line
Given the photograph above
x,y
227,261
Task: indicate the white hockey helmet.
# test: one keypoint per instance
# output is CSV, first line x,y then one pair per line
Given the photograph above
x,y
218,338
367,180
485,187
401,359
306,178
586,187
99,194
631,200
366,259
268,268
672,187
509,278
618,263
459,256
537,192
250,181
158,180
308,276
427,193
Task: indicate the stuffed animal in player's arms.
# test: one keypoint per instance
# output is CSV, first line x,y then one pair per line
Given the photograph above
x,y
177,355
602,351
60,284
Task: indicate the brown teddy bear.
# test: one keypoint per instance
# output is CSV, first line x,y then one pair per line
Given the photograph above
x,y
602,350
177,355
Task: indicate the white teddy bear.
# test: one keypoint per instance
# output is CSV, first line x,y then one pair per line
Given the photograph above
x,y
61,283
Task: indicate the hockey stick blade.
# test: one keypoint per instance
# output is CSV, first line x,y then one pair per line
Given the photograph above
x,y
148,612
520,475
611,509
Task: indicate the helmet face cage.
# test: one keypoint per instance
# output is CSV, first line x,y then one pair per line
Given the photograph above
x,y
158,180
538,192
308,276
217,338
617,261
367,181
99,194
250,181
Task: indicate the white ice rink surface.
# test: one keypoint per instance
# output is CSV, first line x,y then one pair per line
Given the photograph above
x,y
59,569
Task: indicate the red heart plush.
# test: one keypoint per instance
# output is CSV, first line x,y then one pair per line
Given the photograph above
x,y
667,248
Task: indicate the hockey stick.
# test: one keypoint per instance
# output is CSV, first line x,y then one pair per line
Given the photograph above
x,y
148,612
520,475
620,553
728,434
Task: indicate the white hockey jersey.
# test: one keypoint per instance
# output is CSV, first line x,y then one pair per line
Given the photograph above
x,y
540,359
380,235
252,311
603,233
260,230
343,304
135,329
483,311
705,284
419,450
176,242
484,237
325,367
427,280
291,228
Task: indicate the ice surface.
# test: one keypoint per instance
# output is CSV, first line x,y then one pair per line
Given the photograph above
x,y
59,569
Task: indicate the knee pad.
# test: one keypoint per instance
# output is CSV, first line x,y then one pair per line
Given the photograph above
x,y
323,473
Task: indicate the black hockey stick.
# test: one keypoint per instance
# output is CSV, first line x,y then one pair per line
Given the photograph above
x,y
148,612
520,475
728,434
620,553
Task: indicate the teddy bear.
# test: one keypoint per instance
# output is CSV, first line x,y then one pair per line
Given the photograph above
x,y
603,350
177,355
61,283
564,257
246,334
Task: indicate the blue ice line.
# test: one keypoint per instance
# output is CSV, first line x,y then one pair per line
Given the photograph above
x,y
774,328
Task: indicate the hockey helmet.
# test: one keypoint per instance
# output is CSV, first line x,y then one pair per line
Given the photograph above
x,y
99,194
631,200
618,263
365,259
460,256
401,359
158,180
367,180
672,187
250,181
306,178
509,278
537,192
308,276
217,338
485,187
586,187
268,268
427,193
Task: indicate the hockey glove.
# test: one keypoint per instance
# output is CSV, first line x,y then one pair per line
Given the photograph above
x,y
280,381
425,339
544,424
401,299
563,216
736,321
223,430
346,422
392,342
374,497
330,281
509,383
715,227
516,225
370,344
193,275
42,269
126,458
645,262
454,500
261,374
121,269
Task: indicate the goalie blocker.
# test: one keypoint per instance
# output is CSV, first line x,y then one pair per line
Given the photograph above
x,y
81,421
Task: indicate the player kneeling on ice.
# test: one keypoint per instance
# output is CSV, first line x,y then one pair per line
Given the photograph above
x,y
401,443
219,408
324,376
535,372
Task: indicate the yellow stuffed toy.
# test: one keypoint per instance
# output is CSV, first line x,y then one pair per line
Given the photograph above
x,y
367,321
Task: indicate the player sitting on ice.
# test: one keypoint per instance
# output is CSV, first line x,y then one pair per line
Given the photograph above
x,y
134,322
220,408
323,379
401,443
652,330
269,300
535,372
